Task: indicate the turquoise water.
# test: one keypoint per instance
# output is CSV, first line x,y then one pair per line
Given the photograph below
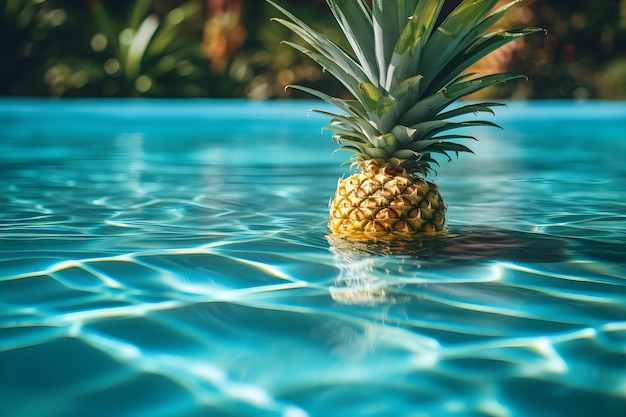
x,y
169,259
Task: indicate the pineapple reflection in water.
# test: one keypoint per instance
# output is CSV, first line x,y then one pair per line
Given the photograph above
x,y
404,73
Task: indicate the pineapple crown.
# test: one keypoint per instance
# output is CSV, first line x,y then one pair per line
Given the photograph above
x,y
404,72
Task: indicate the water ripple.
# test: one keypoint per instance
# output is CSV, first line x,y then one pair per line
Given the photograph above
x,y
144,276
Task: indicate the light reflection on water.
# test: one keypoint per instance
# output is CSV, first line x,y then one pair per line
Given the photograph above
x,y
175,267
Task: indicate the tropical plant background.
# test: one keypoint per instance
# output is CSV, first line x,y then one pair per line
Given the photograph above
x,y
231,49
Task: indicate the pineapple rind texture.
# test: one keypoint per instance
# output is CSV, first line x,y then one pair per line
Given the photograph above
x,y
381,202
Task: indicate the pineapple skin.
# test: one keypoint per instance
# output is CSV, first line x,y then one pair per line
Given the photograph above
x,y
384,202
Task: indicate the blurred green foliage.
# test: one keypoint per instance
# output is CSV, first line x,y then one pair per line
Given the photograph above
x,y
229,48
102,48
583,54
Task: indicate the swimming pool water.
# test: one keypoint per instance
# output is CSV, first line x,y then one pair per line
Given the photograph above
x,y
170,259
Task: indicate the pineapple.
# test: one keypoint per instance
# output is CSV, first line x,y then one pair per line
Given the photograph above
x,y
403,72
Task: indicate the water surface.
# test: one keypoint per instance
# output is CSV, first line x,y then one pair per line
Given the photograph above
x,y
170,259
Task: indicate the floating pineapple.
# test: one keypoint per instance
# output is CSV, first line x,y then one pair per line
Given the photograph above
x,y
404,72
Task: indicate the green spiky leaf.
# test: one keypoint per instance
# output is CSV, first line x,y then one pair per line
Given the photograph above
x,y
429,107
405,75
355,20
